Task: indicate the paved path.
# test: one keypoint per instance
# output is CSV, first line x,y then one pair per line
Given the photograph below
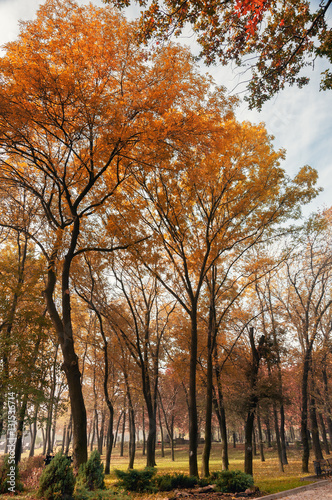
x,y
317,491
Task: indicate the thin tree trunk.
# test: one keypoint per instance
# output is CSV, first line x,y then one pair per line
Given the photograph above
x,y
123,433
282,435
144,439
117,428
34,432
260,437
276,429
304,415
161,434
324,434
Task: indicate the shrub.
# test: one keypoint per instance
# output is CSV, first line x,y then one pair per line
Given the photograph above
x,y
57,480
168,482
136,480
9,476
91,474
30,471
232,481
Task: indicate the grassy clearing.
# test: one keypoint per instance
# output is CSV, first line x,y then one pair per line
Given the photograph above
x,y
266,474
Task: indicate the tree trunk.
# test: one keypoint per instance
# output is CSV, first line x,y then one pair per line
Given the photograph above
x,y
253,401
314,431
268,432
34,431
161,434
276,429
282,435
123,433
144,438
324,434
109,440
151,441
193,424
304,415
63,327
69,434
248,454
260,437
117,428
20,429
208,403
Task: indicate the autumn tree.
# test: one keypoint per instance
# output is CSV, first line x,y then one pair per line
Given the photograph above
x,y
279,39
221,202
306,301
82,107
141,316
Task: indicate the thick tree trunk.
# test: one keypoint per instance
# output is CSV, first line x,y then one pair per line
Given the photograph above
x,y
193,424
248,445
314,431
132,437
109,440
151,441
208,405
253,401
20,429
63,327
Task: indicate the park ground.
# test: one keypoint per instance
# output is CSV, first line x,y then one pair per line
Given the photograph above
x,y
267,476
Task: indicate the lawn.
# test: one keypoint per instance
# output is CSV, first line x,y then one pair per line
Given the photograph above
x,y
266,474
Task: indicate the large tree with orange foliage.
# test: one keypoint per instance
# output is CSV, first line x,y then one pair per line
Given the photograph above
x,y
211,208
81,108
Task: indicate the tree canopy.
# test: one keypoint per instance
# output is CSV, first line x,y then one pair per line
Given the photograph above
x,y
275,40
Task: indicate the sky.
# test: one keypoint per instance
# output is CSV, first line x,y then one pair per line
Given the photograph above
x,y
299,119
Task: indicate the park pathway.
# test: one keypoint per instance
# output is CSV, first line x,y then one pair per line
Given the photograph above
x,y
317,491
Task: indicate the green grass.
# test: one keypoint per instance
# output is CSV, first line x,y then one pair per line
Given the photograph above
x,y
266,474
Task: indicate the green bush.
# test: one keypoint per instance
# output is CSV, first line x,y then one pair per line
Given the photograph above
x,y
9,476
91,474
57,480
168,482
232,481
136,480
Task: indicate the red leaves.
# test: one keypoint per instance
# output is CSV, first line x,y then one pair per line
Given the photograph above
x,y
254,10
